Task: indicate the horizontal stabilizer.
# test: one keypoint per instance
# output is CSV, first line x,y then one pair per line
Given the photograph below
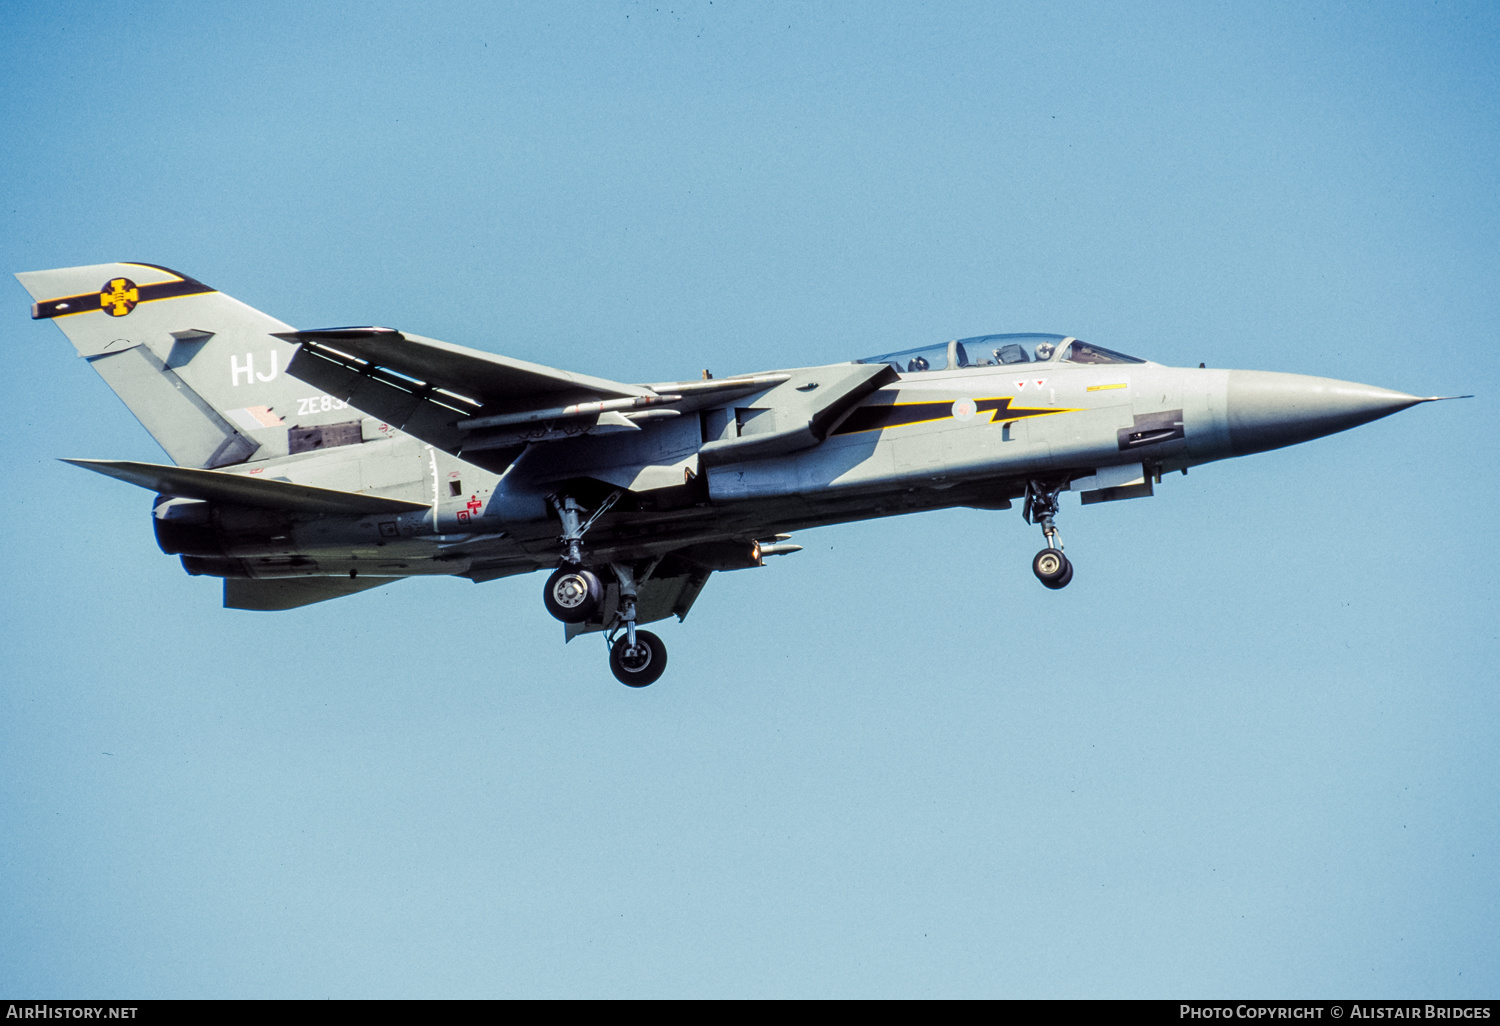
x,y
291,592
244,490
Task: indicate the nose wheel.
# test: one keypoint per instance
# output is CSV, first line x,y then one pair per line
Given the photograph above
x,y
1051,567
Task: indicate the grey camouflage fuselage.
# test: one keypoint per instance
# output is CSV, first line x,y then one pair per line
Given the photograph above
x,y
314,464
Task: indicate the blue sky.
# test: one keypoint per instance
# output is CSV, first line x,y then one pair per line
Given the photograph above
x,y
1249,751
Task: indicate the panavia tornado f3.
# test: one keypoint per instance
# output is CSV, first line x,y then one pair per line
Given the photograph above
x,y
307,465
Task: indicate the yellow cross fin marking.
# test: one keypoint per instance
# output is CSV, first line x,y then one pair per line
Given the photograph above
x,y
117,299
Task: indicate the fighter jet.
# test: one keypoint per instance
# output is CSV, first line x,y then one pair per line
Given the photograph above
x,y
312,464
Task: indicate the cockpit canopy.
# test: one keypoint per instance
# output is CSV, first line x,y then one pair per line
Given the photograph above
x,y
998,351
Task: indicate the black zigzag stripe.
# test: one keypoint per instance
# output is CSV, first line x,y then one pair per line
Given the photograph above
x,y
878,418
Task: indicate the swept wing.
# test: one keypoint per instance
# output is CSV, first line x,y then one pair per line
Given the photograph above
x,y
433,389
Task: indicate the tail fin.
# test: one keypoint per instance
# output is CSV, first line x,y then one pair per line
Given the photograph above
x,y
201,371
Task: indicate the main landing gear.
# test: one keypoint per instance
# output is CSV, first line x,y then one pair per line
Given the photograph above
x,y
636,658
1051,567
640,663
574,594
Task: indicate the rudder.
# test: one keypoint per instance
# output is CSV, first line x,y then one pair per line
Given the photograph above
x,y
201,371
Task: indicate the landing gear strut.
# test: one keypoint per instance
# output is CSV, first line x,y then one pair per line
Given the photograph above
x,y
1051,567
568,510
636,657
574,594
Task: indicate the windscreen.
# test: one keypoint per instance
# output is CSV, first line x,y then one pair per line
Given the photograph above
x,y
1085,352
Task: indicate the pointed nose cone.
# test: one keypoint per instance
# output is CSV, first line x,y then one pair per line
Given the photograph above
x,y
1268,410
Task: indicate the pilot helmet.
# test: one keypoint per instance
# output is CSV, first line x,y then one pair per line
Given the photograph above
x,y
1044,350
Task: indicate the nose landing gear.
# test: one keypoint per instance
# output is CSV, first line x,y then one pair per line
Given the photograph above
x,y
1051,567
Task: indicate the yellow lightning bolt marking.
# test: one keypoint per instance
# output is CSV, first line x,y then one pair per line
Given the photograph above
x,y
999,416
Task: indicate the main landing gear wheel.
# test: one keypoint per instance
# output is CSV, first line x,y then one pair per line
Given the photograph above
x,y
639,664
573,594
1052,568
